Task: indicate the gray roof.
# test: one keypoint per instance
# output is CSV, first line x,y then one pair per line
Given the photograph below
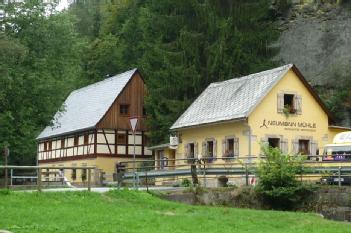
x,y
230,100
84,107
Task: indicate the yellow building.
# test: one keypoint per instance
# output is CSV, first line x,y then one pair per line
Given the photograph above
x,y
230,120
93,128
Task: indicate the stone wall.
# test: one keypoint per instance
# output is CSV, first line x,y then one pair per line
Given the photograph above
x,y
331,202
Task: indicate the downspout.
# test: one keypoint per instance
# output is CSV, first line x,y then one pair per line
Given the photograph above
x,y
249,134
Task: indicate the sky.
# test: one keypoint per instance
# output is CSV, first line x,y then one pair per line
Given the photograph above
x,y
62,5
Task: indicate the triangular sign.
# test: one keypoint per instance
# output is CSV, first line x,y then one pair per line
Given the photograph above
x,y
133,123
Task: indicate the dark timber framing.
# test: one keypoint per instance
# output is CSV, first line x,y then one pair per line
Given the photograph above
x,y
64,147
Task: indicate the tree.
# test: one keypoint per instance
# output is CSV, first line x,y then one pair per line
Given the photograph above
x,y
40,63
180,47
278,184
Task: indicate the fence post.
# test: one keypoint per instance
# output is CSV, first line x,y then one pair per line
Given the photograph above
x,y
11,174
205,181
246,175
89,179
147,185
39,179
339,175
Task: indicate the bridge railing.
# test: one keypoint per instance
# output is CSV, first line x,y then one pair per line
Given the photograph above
x,y
241,167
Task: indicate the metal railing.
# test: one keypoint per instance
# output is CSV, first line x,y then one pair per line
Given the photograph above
x,y
242,167
40,173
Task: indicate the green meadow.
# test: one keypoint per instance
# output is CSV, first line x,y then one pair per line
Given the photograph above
x,y
132,211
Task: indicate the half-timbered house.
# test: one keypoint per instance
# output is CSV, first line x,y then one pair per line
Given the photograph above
x,y
92,128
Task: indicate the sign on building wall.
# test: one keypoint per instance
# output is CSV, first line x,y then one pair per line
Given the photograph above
x,y
173,142
289,125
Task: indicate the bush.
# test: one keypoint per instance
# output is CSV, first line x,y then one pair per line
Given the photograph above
x,y
278,185
186,183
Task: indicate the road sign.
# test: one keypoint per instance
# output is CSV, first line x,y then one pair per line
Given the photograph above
x,y
133,123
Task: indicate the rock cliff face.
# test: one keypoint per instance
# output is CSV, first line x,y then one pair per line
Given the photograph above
x,y
316,36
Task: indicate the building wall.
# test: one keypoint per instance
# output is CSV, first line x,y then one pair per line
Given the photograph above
x,y
102,164
133,96
107,144
218,132
63,147
311,113
68,172
266,121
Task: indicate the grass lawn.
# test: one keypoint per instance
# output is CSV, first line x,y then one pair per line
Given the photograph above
x,y
129,211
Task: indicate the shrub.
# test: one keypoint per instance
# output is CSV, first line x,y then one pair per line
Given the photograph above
x,y
186,183
278,185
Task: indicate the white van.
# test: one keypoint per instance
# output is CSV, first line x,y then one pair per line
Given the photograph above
x,y
340,149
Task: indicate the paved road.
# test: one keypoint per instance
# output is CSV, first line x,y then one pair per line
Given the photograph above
x,y
106,189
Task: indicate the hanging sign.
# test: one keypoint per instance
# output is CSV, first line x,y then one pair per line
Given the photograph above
x,y
173,142
133,123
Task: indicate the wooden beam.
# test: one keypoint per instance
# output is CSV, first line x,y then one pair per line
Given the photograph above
x,y
127,142
142,143
95,141
116,138
108,145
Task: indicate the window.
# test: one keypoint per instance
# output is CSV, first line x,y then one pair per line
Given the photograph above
x,y
210,148
76,140
62,143
191,150
124,109
86,139
50,145
74,174
230,147
45,146
121,139
289,103
304,148
274,142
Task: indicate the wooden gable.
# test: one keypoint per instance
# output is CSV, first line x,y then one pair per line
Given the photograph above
x,y
131,96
